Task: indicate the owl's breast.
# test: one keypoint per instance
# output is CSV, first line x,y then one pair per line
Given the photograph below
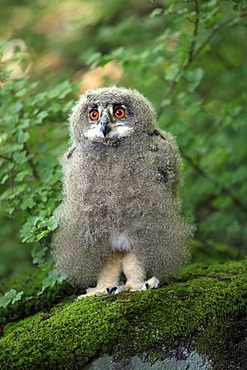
x,y
121,170
116,176
114,193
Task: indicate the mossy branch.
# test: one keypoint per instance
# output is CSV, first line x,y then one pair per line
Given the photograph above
x,y
202,308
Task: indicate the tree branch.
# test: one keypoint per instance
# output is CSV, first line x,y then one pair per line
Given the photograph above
x,y
31,164
224,189
190,58
218,28
5,158
195,33
194,53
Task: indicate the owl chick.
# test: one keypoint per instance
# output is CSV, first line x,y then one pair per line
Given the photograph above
x,y
121,211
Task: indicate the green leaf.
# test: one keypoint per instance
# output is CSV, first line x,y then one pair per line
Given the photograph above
x,y
5,75
156,12
194,78
42,235
23,137
27,203
39,118
172,72
5,178
17,297
21,175
38,254
15,107
52,223
10,297
53,278
20,157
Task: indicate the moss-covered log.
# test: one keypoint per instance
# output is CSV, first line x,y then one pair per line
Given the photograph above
x,y
205,310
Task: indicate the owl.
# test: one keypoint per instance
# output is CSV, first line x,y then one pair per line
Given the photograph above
x,y
121,212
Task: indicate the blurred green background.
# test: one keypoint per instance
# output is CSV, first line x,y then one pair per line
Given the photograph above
x,y
187,57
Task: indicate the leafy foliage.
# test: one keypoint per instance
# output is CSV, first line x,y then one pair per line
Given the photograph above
x,y
31,121
10,297
187,57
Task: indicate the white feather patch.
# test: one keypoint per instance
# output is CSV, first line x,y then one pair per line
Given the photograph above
x,y
121,242
118,131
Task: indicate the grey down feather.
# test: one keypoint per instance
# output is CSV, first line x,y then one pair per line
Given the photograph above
x,y
128,186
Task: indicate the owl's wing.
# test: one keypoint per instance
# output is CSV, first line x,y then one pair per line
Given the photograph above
x,y
169,160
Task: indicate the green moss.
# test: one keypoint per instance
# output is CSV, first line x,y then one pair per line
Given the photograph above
x,y
203,306
31,283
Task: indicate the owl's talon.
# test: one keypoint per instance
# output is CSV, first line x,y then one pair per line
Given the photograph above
x,y
113,290
99,294
116,289
152,283
145,286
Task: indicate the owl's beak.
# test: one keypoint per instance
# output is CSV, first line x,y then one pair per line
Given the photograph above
x,y
105,127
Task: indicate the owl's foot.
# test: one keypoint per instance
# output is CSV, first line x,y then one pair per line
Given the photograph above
x,y
96,292
152,283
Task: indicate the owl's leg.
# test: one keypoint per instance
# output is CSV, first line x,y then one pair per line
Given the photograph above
x,y
135,275
133,271
108,278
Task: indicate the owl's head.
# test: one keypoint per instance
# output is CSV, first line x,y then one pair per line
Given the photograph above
x,y
110,113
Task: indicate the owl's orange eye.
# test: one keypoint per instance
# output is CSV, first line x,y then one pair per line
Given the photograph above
x,y
119,113
94,115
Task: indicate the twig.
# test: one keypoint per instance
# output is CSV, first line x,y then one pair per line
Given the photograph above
x,y
6,158
224,189
31,164
217,29
190,58
195,33
193,53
